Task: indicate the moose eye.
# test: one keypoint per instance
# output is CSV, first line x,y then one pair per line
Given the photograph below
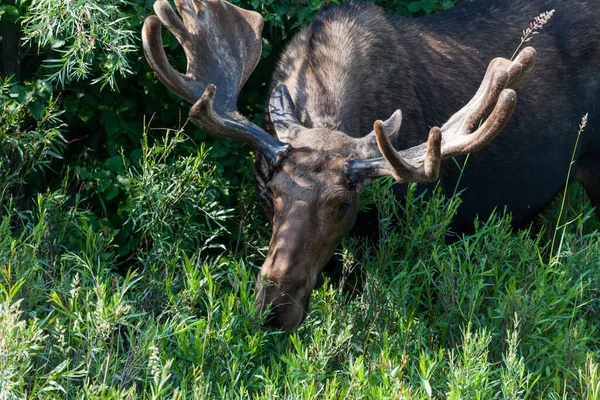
x,y
344,207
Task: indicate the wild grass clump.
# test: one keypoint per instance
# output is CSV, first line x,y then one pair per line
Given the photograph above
x,y
171,200
486,316
30,135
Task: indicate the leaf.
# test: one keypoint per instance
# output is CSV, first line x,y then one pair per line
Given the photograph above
x,y
446,4
124,181
115,164
53,154
70,104
57,43
18,91
9,13
430,6
427,387
111,123
282,9
37,109
85,113
220,149
112,192
415,6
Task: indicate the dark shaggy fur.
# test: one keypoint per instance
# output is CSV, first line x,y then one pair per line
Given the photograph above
x,y
354,64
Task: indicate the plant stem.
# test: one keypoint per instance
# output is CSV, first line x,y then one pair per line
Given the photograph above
x,y
554,258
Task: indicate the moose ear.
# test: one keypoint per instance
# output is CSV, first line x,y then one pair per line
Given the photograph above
x,y
367,146
282,112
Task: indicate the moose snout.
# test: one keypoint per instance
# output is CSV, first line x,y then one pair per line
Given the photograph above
x,y
286,308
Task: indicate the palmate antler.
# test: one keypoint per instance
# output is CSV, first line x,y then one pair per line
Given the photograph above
x,y
222,44
462,134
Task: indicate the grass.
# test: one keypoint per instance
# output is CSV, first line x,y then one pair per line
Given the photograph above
x,y
492,315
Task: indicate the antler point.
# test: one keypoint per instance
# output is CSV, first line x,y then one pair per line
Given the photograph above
x,y
435,135
509,95
379,128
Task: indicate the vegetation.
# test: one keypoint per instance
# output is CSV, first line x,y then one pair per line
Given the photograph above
x,y
128,249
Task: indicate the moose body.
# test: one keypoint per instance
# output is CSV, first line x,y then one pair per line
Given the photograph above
x,y
354,65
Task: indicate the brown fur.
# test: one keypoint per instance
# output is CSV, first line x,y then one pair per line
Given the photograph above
x,y
314,210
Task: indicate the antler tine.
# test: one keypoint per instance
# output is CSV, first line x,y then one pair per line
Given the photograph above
x,y
501,74
155,54
521,67
495,98
470,142
222,43
401,169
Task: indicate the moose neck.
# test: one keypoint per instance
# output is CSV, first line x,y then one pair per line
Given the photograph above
x,y
338,70
355,64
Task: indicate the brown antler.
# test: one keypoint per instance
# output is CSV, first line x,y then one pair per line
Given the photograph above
x,y
421,163
222,44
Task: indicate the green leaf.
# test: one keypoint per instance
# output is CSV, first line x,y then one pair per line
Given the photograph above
x,y
70,104
37,109
85,112
221,148
112,192
115,164
54,154
430,6
111,123
415,6
124,181
57,43
446,4
9,13
18,91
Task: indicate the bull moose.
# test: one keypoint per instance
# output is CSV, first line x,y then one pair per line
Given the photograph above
x,y
335,125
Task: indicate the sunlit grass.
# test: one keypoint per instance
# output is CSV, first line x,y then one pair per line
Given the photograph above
x,y
485,317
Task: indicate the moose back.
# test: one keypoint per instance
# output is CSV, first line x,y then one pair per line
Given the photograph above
x,y
354,96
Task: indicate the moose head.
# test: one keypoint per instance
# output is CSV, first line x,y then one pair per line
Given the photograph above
x,y
317,173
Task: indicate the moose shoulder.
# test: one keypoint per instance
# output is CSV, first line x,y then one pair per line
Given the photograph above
x,y
354,67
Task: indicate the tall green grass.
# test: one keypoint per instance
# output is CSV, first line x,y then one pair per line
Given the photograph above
x,y
489,316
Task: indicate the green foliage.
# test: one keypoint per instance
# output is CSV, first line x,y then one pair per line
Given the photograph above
x,y
30,133
470,369
182,324
168,199
84,36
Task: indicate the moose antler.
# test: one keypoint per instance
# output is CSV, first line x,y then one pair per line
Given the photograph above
x,y
495,99
222,44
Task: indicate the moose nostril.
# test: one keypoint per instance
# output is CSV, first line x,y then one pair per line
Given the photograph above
x,y
286,316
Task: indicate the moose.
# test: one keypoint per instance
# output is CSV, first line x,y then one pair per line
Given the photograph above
x,y
353,95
